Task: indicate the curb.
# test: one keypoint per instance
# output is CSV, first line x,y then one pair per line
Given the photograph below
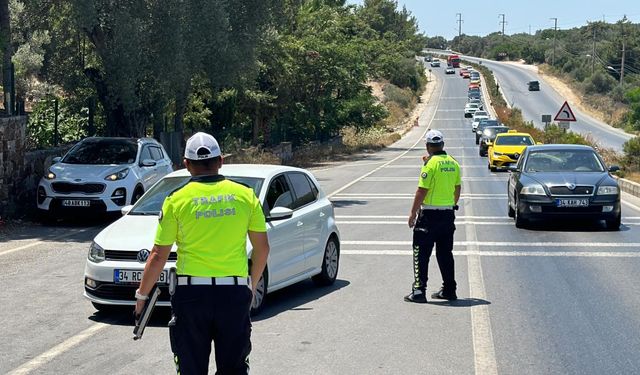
x,y
628,186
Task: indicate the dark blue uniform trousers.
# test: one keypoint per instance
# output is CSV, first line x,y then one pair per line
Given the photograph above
x,y
206,313
434,227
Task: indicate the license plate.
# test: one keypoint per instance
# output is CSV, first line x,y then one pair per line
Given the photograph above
x,y
572,202
135,277
76,203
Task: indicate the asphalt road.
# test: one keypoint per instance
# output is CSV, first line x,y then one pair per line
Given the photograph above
x,y
558,298
513,80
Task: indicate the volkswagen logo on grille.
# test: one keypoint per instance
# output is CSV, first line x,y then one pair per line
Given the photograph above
x,y
143,255
571,186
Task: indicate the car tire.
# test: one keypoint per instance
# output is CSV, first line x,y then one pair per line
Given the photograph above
x,y
510,211
330,263
614,224
492,168
520,221
477,139
258,301
480,153
137,193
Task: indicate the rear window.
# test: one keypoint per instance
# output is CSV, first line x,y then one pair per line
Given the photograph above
x,y
514,140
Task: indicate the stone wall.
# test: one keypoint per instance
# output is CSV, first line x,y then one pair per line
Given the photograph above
x,y
12,151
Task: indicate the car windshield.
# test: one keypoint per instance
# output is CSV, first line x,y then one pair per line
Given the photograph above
x,y
484,123
472,105
151,202
103,151
514,140
492,132
563,161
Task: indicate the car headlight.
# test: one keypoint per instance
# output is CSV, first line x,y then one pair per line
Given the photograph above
x,y
96,253
120,175
608,190
50,175
533,190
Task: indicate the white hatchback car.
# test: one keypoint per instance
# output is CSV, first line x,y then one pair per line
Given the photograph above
x,y
301,227
477,116
102,175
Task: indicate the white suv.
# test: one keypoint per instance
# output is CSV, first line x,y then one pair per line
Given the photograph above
x,y
101,175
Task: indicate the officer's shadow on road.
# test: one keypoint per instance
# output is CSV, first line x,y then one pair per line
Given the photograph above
x,y
123,316
460,302
292,298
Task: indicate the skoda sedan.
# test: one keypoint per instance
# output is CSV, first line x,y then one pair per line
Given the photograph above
x,y
560,181
301,227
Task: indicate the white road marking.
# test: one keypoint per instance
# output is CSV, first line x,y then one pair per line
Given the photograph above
x,y
534,254
341,198
411,195
405,223
484,353
415,179
36,243
504,244
470,217
631,205
58,349
364,176
418,166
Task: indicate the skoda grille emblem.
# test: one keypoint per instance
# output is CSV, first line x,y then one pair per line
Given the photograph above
x,y
571,186
143,255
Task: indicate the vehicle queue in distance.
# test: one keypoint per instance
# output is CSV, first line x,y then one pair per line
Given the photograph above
x,y
546,181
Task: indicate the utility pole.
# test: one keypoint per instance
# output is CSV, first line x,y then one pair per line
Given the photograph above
x,y
593,51
623,55
555,28
459,21
502,22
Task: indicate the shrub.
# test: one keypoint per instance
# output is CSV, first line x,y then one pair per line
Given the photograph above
x,y
393,93
631,160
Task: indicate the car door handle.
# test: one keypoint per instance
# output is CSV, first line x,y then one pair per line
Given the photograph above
x,y
300,223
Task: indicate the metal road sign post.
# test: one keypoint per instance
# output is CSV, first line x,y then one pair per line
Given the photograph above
x,y
546,119
563,125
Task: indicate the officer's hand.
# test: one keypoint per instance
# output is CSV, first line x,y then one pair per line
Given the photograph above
x,y
139,307
412,221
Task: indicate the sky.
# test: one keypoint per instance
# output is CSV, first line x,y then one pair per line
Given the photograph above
x,y
482,17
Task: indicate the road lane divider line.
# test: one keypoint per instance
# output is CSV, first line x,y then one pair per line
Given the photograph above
x,y
504,244
415,179
506,254
339,198
404,217
484,353
59,349
411,195
405,223
40,242
364,176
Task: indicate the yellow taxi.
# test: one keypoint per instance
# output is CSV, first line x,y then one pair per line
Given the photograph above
x,y
507,148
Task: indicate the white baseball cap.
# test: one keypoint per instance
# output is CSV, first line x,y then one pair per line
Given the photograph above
x,y
434,137
201,146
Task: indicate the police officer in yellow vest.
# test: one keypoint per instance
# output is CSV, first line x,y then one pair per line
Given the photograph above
x,y
209,219
432,219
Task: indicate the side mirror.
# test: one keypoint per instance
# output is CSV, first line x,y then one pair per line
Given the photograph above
x,y
148,163
279,213
57,159
126,209
613,168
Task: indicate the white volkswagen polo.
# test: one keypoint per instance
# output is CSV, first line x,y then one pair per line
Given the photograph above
x,y
301,227
102,175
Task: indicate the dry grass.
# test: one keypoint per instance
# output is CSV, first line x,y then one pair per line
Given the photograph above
x,y
252,155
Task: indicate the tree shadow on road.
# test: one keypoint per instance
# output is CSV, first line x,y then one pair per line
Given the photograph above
x,y
565,225
460,302
294,296
123,316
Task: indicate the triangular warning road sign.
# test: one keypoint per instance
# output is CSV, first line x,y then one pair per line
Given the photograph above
x,y
565,113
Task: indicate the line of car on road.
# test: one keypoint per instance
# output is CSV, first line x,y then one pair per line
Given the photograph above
x,y
545,181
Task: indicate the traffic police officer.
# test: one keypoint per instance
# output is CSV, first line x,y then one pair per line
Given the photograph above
x,y
432,219
209,219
